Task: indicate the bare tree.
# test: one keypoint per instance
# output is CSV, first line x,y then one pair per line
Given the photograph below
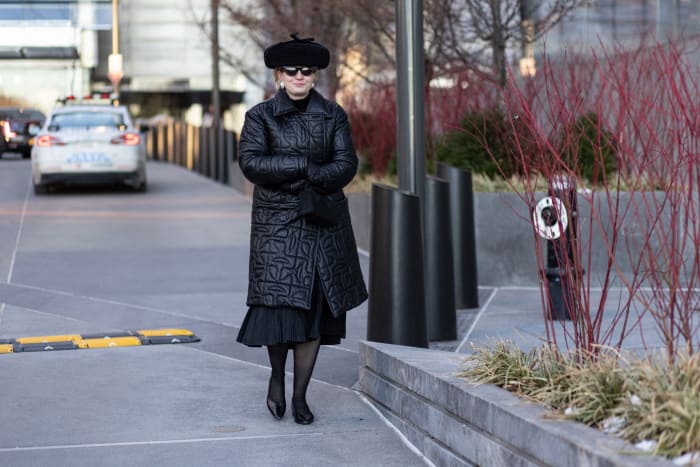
x,y
498,24
260,23
459,35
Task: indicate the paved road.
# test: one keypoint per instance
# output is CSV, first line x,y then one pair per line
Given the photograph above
x,y
93,260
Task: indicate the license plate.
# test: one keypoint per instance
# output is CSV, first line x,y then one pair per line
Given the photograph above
x,y
94,159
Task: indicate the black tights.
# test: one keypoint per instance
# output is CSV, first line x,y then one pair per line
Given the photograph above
x,y
304,361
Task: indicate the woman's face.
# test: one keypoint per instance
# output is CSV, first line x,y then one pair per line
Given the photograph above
x,y
298,80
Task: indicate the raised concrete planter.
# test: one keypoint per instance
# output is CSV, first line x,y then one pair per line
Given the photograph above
x,y
455,423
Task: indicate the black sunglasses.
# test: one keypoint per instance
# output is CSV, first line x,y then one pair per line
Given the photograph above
x,y
292,70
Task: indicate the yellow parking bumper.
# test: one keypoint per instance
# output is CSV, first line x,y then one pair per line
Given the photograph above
x,y
47,339
111,342
98,340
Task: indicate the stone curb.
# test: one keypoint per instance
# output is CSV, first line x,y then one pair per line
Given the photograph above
x,y
453,422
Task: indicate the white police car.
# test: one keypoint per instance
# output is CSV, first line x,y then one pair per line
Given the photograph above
x,y
87,143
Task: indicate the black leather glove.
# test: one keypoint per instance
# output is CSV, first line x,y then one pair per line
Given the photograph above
x,y
294,187
316,207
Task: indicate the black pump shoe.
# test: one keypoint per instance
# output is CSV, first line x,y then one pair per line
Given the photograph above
x,y
277,409
302,414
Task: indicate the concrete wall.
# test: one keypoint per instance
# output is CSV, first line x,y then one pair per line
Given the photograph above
x,y
505,243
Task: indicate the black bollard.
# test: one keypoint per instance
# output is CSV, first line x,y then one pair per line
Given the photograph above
x,y
558,300
440,309
463,235
396,308
560,255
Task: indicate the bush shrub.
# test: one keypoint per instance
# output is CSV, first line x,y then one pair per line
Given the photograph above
x,y
588,148
480,145
372,116
485,144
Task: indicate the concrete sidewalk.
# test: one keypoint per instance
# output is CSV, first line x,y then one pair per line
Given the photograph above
x,y
100,261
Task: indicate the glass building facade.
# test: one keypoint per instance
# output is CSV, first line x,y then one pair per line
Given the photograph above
x,y
48,49
625,22
51,11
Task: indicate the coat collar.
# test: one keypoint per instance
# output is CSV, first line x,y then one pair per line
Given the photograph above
x,y
283,104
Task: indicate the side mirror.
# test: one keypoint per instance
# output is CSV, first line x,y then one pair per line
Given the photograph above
x,y
34,129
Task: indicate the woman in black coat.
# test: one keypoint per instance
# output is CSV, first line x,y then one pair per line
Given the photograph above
x,y
304,271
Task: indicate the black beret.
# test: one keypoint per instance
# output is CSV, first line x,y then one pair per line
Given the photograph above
x,y
297,52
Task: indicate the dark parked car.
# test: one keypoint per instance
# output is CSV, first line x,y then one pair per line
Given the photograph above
x,y
17,129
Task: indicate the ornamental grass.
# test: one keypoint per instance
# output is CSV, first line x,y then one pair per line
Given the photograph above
x,y
638,399
666,408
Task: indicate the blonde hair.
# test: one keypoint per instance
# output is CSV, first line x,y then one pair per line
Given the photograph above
x,y
276,76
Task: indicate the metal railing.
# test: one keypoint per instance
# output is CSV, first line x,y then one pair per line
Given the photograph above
x,y
192,147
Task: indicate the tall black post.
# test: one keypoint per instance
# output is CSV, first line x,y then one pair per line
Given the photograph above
x,y
463,235
440,309
396,308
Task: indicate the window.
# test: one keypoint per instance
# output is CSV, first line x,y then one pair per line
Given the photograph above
x,y
41,11
82,119
35,12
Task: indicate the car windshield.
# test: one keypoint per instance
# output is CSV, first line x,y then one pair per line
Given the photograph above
x,y
21,114
88,120
17,125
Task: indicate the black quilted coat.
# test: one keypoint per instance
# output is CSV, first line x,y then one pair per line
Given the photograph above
x,y
282,149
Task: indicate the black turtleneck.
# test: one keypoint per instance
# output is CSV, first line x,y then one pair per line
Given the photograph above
x,y
301,104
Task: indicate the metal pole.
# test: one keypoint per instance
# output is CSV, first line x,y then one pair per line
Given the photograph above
x,y
115,26
115,48
215,94
410,98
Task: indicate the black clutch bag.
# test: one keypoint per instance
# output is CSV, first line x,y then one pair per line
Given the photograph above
x,y
316,208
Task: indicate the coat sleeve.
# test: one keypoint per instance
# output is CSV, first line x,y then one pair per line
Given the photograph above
x,y
339,171
258,164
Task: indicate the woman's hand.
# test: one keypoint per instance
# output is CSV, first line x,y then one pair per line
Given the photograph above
x,y
294,188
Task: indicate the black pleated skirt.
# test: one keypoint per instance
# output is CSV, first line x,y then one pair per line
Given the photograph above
x,y
285,325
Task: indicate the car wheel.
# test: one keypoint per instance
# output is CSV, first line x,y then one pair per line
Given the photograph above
x,y
141,188
40,189
26,154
